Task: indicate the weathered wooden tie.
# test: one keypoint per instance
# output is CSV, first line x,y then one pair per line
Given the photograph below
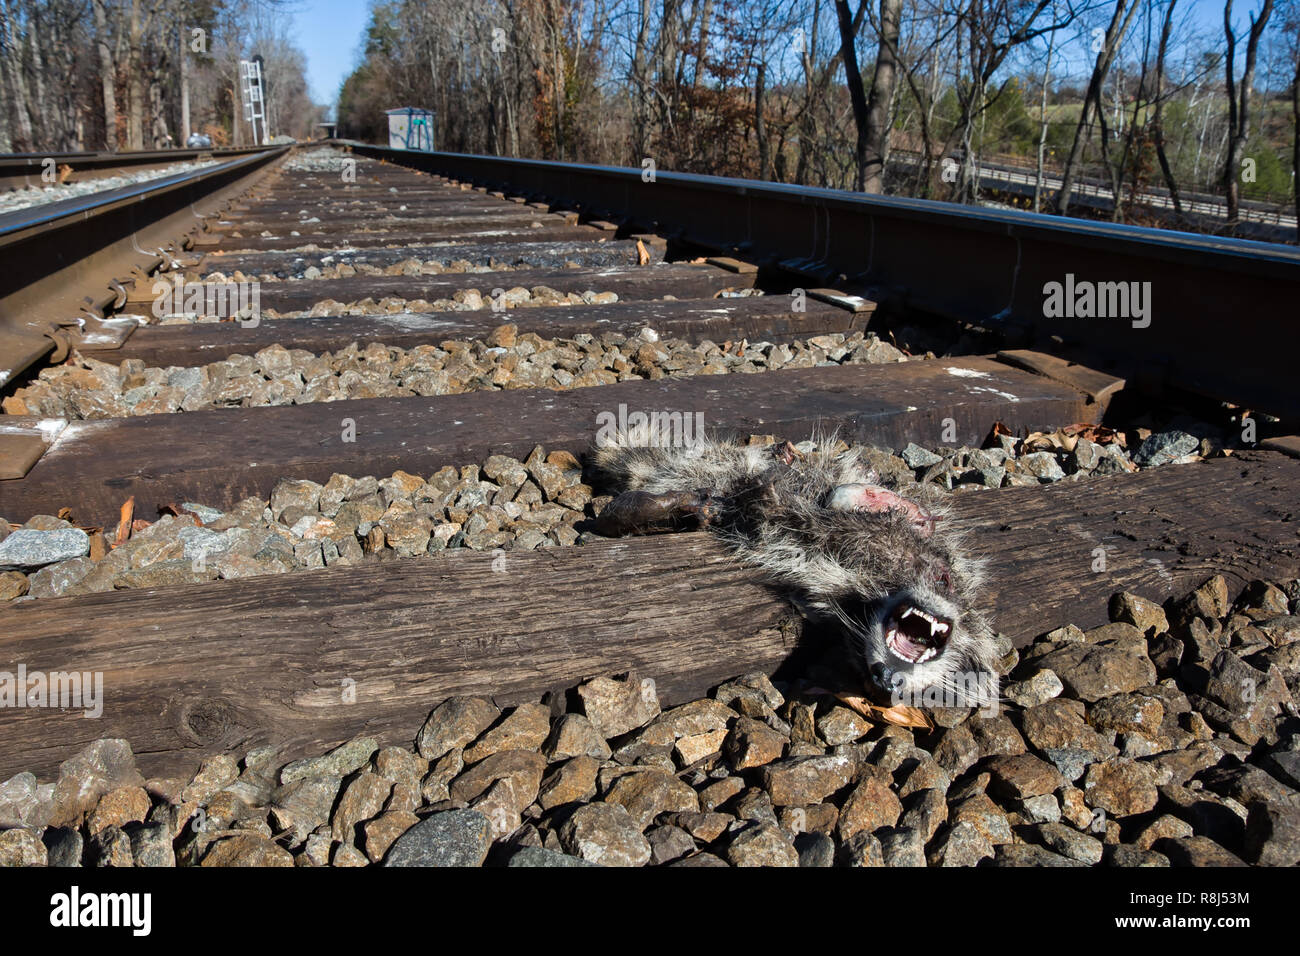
x,y
308,659
219,457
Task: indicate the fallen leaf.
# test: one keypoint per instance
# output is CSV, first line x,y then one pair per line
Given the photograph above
x,y
124,522
900,715
642,255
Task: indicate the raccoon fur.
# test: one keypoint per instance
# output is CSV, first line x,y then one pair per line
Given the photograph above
x,y
882,567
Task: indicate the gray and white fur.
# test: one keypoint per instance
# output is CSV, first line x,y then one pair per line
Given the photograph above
x,y
882,566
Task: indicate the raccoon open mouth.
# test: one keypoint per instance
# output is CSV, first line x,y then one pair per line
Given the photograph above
x,y
916,636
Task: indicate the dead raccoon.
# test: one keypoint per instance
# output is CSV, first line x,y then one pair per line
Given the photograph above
x,y
880,565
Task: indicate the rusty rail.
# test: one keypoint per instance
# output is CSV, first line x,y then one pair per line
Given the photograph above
x,y
55,253
19,170
1217,307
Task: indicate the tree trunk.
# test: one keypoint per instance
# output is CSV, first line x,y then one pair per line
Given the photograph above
x,y
1092,99
853,79
1042,117
760,125
807,120
1295,143
641,97
6,144
13,66
1159,126
1239,102
882,94
185,87
135,83
40,100
107,75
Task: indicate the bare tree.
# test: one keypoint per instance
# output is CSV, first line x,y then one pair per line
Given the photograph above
x,y
882,95
1158,123
849,23
1119,23
1042,120
1239,93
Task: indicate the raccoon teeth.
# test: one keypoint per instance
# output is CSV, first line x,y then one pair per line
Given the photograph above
x,y
907,649
936,626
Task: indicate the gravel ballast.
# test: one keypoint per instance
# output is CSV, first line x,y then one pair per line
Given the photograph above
x,y
1166,768
86,388
502,503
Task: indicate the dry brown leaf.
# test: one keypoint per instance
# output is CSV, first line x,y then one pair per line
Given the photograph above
x,y
65,514
642,255
124,522
139,524
900,714
98,546
1098,434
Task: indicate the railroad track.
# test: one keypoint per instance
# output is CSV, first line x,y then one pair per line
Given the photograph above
x,y
35,170
351,486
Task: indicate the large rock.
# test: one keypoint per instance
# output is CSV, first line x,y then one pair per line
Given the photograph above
x,y
304,805
869,807
606,834
448,838
247,849
573,735
1147,616
1196,851
570,782
536,856
29,548
454,723
24,803
1235,697
1022,776
961,845
103,766
799,781
118,808
22,847
1068,842
339,762
523,768
648,793
752,743
1093,671
525,728
1273,835
1121,787
363,798
980,812
616,707
761,844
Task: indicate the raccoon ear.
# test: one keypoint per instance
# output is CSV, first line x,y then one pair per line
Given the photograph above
x,y
875,499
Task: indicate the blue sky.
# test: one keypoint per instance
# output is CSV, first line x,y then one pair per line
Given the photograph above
x,y
329,33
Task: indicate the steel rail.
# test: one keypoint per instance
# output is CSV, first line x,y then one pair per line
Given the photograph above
x,y
1218,316
19,170
57,257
